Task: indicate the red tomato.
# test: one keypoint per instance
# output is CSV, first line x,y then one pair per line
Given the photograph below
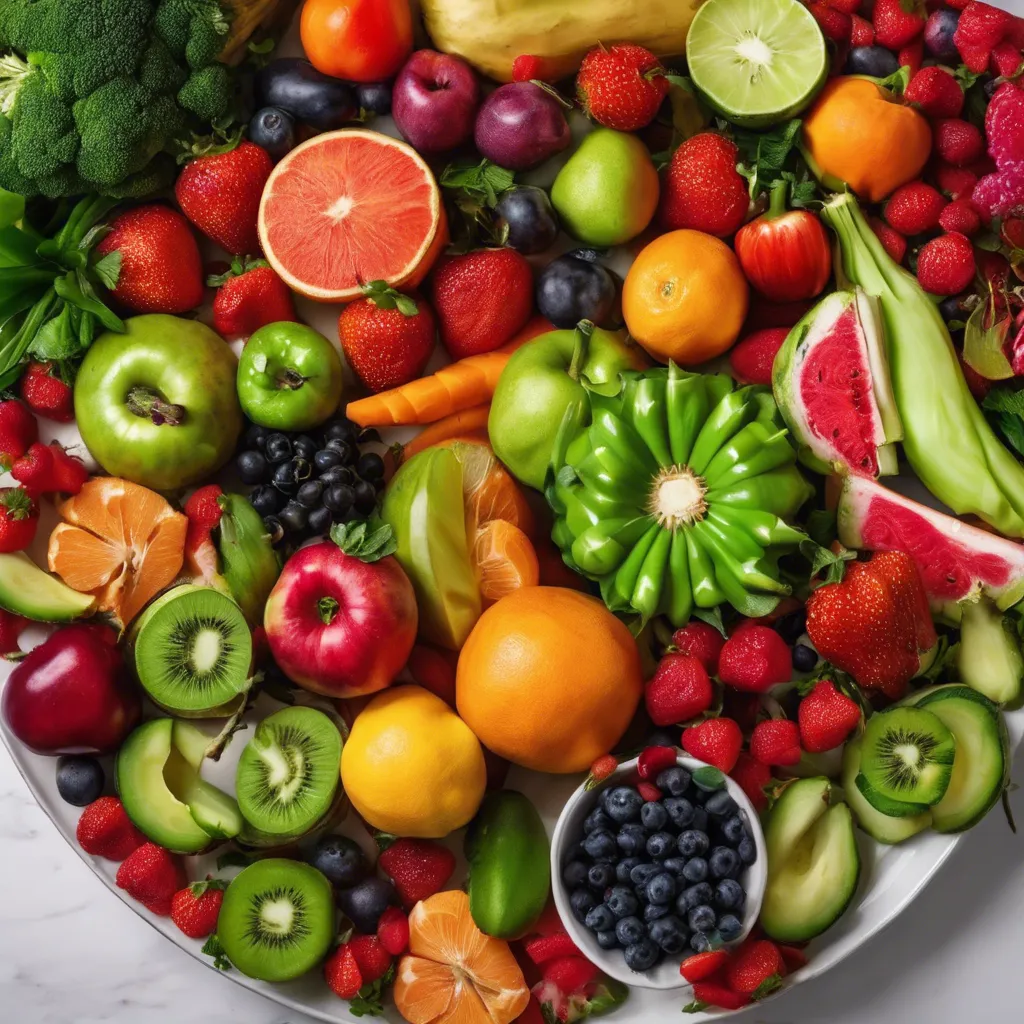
x,y
358,40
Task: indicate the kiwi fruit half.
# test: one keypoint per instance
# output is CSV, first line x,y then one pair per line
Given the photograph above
x,y
277,919
192,651
289,771
907,756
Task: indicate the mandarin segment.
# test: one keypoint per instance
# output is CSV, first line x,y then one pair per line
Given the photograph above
x,y
504,560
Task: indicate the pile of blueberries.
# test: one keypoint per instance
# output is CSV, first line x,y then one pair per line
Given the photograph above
x,y
659,877
306,482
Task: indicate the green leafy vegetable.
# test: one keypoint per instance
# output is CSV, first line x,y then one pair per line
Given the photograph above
x,y
1005,408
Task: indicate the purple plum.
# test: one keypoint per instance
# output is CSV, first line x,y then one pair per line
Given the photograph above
x,y
521,125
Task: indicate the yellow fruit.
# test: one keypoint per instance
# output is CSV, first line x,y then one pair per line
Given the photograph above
x,y
411,766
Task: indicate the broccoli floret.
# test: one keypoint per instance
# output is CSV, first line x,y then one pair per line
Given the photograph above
x,y
54,141
207,93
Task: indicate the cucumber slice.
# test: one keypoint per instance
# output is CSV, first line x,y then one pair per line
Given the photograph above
x,y
989,658
878,825
27,590
757,62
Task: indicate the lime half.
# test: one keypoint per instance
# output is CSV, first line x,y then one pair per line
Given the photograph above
x,y
757,62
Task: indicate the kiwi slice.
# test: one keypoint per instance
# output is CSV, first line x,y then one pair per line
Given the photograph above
x,y
907,757
277,919
289,771
192,651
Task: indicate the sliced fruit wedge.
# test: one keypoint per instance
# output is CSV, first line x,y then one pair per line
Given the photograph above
x,y
27,590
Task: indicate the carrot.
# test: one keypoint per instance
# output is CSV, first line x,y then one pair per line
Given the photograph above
x,y
467,423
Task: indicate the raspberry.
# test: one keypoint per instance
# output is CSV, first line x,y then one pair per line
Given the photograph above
x,y
958,142
1006,61
999,195
945,265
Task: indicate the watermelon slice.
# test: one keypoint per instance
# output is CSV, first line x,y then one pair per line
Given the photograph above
x,y
957,562
831,382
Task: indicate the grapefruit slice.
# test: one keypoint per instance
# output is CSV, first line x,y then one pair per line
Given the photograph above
x,y
349,207
831,382
957,562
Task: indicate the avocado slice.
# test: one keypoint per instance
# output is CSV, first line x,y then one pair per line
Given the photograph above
x,y
27,590
988,657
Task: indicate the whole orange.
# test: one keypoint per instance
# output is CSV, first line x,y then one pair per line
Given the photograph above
x,y
685,297
548,679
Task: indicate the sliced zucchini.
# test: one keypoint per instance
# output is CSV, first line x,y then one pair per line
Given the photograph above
x,y
989,657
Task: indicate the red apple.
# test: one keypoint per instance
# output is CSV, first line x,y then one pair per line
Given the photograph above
x,y
340,626
434,101
72,694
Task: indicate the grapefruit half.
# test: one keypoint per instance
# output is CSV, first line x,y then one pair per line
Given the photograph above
x,y
348,207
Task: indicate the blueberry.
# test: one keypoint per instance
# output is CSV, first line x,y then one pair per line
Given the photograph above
x,y
696,869
629,930
341,430
595,820
600,877
600,845
294,517
674,866
643,873
339,499
607,940
723,862
320,520
804,658
669,933
661,888
641,956
571,289
621,902
624,868
273,130
660,738
746,850
661,845
255,436
701,943
791,627
729,927
252,467
340,859
655,910
702,919
623,804
938,34
720,804
526,219
599,919
680,811
582,902
310,493
653,816
734,829
574,874
364,903
729,894
632,839
694,897
370,466
265,499
374,97
80,779
693,843
278,448
700,820
876,61
674,780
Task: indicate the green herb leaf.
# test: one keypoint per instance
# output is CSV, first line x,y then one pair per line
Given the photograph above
x,y
764,154
708,778
108,269
821,526
1005,407
212,947
484,181
690,115
369,1001
368,540
383,296
697,1006
57,338
713,617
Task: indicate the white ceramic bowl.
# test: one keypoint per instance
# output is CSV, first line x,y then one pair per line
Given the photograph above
x,y
569,830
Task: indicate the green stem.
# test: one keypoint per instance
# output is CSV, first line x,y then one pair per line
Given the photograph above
x,y
327,608
146,402
289,380
777,201
581,348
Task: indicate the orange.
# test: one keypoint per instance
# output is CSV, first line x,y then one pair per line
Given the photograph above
x,y
489,490
119,541
685,297
348,207
453,973
504,560
548,679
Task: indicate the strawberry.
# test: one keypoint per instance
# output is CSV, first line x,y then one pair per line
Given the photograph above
x,y
700,641
914,208
654,760
527,68
46,392
482,299
1005,60
220,194
571,974
571,989
679,691
68,472
417,867
11,627
716,741
892,241
203,512
195,908
960,215
105,830
543,948
945,265
702,189
958,142
19,519
649,791
862,32
776,741
709,993
911,55
756,969
393,930
35,468
372,958
151,875
826,717
751,360
18,429
203,508
835,24
980,29
955,182
342,973
752,776
249,295
160,268
755,659
936,92
897,22
621,86
602,767
387,337
701,966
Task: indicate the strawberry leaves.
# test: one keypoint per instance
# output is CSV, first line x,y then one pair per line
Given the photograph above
x,y
383,296
369,1000
213,948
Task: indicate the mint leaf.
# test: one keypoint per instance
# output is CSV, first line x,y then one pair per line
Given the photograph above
x,y
708,778
484,181
764,154
369,540
213,948
1005,408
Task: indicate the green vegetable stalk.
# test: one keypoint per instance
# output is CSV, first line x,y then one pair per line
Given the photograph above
x,y
947,439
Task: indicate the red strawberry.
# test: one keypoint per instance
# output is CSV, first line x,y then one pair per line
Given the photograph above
x,y
911,55
482,299
19,519
702,189
701,966
649,791
936,92
195,908
755,659
571,974
151,875
11,627
68,472
914,208
393,930
862,32
960,215
956,182
372,958
18,429
220,193
892,241
342,973
35,468
835,24
680,690
751,360
249,296
654,760
752,776
603,767
203,507
418,867
700,641
776,741
543,948
527,68
204,513
756,969
387,337
827,717
621,86
160,267
105,830
46,392
980,29
945,265
708,993
569,990
846,6
898,22
1005,60
716,741
958,142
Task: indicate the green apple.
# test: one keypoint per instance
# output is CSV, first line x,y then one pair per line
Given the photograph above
x,y
157,404
289,377
544,379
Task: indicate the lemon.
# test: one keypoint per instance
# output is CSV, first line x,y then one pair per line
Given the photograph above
x,y
411,766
